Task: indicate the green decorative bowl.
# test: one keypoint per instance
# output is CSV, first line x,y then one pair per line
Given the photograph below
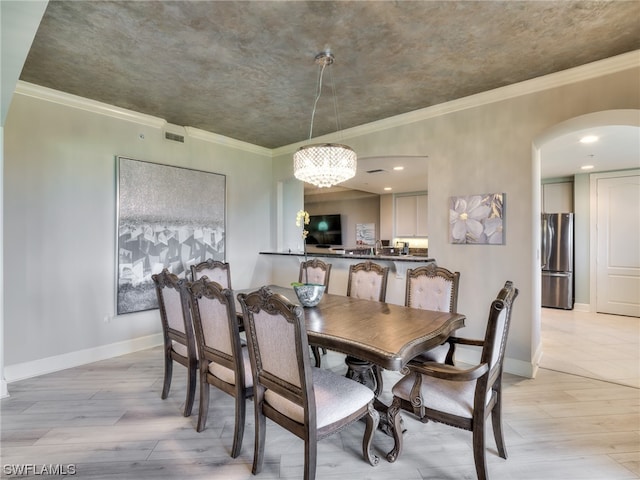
x,y
309,294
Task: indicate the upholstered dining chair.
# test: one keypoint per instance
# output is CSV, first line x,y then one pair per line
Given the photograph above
x,y
432,288
177,331
214,270
224,361
367,280
312,403
459,396
315,271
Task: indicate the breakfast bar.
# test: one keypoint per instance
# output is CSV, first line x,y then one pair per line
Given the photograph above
x,y
286,265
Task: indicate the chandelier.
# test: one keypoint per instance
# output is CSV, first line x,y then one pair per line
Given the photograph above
x,y
324,164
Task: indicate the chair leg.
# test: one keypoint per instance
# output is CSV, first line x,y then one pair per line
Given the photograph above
x,y
372,419
203,407
310,456
258,448
192,370
479,454
316,355
496,421
238,434
394,419
168,373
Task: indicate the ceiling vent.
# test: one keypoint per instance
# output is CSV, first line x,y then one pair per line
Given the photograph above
x,y
174,133
376,170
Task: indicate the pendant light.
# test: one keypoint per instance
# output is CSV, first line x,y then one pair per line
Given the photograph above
x,y
324,164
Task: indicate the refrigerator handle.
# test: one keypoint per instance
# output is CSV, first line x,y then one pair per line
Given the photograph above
x,y
547,235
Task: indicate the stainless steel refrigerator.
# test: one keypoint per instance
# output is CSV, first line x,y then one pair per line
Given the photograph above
x,y
557,260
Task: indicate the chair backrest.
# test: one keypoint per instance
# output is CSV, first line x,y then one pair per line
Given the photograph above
x,y
315,271
432,288
216,327
495,340
174,311
214,270
368,280
279,353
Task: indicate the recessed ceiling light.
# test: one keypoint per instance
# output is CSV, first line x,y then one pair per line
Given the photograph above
x,y
387,188
398,168
589,139
586,167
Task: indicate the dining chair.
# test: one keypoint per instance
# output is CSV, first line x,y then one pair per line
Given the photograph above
x,y
214,270
312,403
224,361
367,280
315,271
461,397
431,287
177,332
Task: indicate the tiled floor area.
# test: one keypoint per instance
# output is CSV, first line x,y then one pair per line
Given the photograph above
x,y
108,420
592,345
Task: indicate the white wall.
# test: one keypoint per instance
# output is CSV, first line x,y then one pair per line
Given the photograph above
x,y
484,144
59,224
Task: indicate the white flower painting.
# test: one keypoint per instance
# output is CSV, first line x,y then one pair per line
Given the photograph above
x,y
477,219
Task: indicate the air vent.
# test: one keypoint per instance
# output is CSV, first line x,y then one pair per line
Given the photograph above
x,y
174,137
175,133
376,170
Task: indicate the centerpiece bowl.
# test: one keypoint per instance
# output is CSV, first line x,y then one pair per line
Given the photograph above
x,y
309,294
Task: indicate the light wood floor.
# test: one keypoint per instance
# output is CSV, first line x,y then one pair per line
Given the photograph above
x,y
108,420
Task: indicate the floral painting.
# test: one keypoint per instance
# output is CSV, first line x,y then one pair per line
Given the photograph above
x,y
477,219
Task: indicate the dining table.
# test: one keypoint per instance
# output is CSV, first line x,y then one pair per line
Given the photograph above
x,y
384,334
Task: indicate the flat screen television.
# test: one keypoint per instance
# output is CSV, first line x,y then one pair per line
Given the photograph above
x,y
324,230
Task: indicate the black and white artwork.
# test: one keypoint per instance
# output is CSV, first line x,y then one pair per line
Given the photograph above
x,y
168,217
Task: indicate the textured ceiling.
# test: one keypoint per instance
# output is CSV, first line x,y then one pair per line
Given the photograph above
x,y
246,69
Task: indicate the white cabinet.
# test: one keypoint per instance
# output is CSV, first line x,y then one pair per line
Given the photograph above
x,y
557,197
411,216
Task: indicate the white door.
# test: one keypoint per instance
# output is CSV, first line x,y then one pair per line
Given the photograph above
x,y
618,245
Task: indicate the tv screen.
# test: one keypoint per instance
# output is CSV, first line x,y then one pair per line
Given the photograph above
x,y
324,230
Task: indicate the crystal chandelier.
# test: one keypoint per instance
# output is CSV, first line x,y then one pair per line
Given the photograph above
x,y
324,164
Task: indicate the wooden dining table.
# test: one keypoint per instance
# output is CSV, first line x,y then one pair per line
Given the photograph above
x,y
383,334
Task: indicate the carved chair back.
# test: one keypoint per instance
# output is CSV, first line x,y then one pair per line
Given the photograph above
x,y
315,271
432,288
368,280
214,270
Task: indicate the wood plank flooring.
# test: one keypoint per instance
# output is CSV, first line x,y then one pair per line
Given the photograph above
x,y
107,419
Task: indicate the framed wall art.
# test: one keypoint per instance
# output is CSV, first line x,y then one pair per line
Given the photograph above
x,y
167,217
477,219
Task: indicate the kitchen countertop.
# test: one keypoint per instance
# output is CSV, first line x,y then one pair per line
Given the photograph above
x,y
357,256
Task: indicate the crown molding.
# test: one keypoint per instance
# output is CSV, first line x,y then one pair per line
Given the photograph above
x,y
99,108
592,70
588,71
206,136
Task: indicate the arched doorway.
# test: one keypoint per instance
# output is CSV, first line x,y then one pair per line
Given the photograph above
x,y
585,208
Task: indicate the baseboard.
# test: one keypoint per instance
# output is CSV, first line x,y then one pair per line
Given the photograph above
x,y
42,366
582,307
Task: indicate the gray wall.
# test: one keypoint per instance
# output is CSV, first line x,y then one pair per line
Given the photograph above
x,y
487,144
59,222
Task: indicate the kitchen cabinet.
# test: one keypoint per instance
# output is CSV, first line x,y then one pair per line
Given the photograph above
x,y
557,197
411,215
